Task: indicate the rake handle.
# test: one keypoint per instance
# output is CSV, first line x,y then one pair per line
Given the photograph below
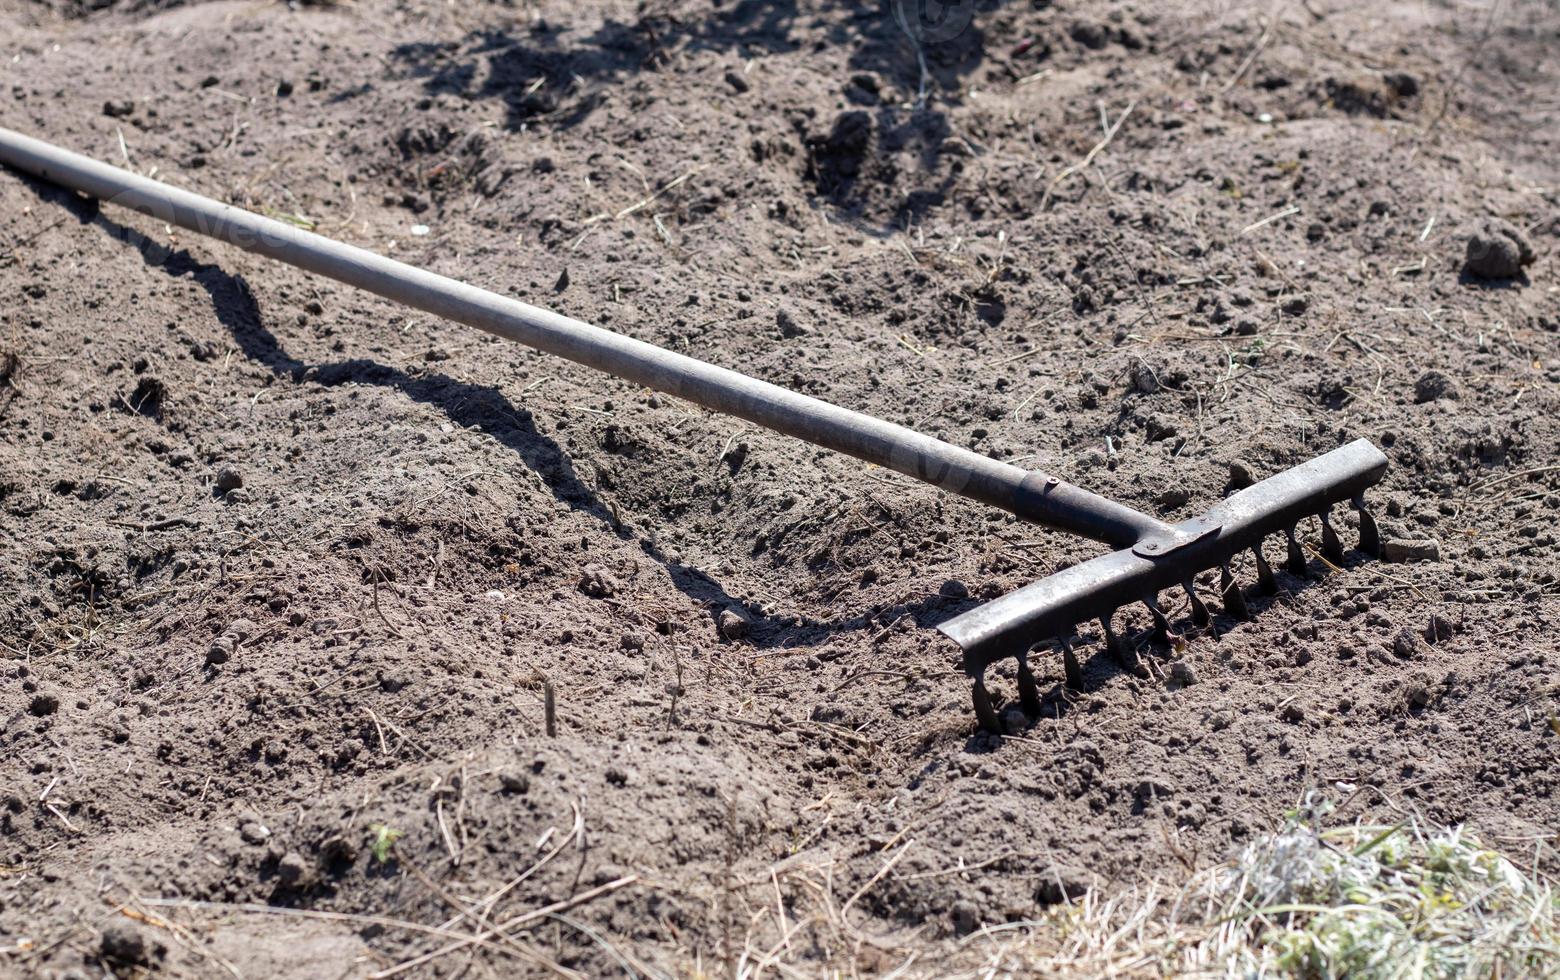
x,y
1028,494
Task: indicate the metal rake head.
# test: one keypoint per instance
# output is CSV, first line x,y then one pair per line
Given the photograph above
x,y
1052,608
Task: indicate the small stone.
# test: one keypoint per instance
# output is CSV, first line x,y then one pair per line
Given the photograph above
x,y
598,583
1497,250
954,589
1144,378
1405,644
1091,35
123,943
1172,498
1240,474
1405,84
220,651
1058,885
1152,789
1433,386
789,325
1183,672
1406,550
734,623
632,641
965,917
228,479
292,869
736,81
254,832
1440,629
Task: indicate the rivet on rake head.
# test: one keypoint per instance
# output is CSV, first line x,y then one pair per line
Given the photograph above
x,y
1071,669
1229,591
1370,535
1332,548
1265,579
1199,610
1028,689
1296,562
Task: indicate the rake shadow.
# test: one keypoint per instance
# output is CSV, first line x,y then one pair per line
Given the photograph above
x,y
471,406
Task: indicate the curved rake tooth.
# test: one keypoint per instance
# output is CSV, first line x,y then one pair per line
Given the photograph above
x,y
1200,615
1161,623
1296,560
1119,650
1332,548
1028,688
984,712
1071,669
1265,579
1229,589
1370,535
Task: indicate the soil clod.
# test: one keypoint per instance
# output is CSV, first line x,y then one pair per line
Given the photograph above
x,y
1434,386
126,945
1497,250
734,623
1401,550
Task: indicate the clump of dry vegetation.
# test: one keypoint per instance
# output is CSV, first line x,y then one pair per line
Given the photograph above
x,y
1314,900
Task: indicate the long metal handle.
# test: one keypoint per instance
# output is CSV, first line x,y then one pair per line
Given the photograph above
x,y
1029,494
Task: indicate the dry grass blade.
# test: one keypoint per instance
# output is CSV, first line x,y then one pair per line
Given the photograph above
x,y
507,925
1088,159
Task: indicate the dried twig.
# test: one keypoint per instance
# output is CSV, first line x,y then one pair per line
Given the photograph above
x,y
1083,164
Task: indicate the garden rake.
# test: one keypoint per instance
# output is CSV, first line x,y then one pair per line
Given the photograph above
x,y
1152,555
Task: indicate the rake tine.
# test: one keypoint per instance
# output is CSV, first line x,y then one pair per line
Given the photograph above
x,y
1265,578
1229,589
984,712
1070,666
1119,650
1200,615
1370,535
1161,623
1028,688
1332,548
1296,563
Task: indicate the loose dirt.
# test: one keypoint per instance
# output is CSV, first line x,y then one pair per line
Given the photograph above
x,y
287,572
